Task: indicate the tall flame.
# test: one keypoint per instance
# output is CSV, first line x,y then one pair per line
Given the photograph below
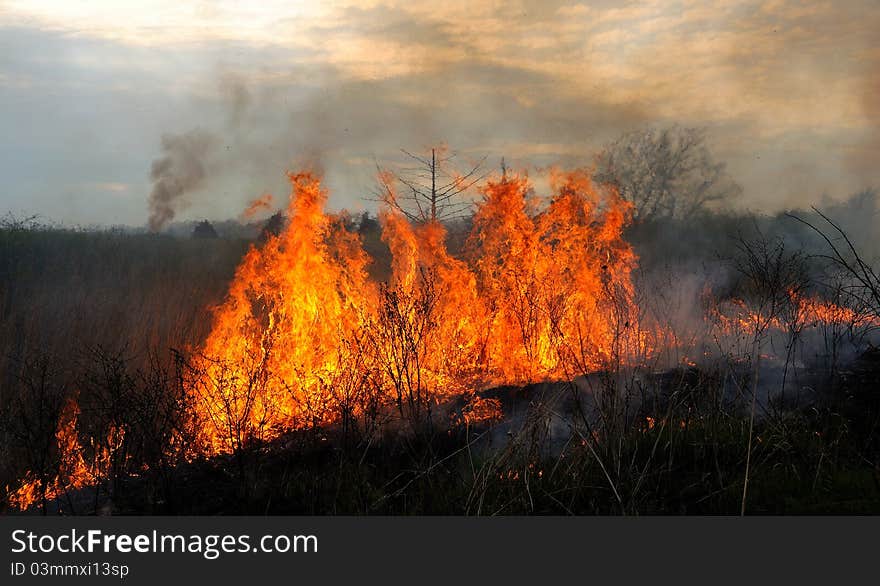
x,y
543,291
284,331
302,320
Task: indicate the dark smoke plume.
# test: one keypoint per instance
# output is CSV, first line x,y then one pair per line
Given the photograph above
x,y
180,170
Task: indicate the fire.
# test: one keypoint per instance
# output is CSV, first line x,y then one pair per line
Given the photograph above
x,y
479,410
814,311
289,328
303,330
735,317
260,204
555,282
71,471
544,291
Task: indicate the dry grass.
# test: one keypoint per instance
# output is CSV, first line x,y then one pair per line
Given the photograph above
x,y
97,314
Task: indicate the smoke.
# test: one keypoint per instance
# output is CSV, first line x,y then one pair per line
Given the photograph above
x,y
180,171
271,120
865,160
237,97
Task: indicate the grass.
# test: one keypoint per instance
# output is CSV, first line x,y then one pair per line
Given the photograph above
x,y
63,289
98,312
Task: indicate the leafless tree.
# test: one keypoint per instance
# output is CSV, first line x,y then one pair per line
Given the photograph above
x,y
430,189
665,173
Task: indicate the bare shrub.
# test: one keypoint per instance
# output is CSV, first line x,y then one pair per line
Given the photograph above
x,y
32,412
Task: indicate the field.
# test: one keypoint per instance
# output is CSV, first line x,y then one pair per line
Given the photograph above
x,y
756,390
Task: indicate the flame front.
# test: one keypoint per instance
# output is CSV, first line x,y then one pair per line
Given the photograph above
x,y
287,329
543,291
303,330
70,472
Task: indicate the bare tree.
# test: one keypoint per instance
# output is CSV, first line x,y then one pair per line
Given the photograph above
x,y
430,189
665,173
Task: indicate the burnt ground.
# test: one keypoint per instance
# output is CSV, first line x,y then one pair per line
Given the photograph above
x,y
679,447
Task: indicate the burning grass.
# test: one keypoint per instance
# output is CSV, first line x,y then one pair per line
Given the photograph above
x,y
303,328
386,393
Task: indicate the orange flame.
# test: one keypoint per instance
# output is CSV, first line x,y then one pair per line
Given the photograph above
x,y
71,472
302,320
543,292
293,310
262,203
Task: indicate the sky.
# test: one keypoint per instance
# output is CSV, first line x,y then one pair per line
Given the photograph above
x,y
95,95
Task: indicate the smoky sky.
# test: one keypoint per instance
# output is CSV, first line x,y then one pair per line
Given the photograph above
x,y
180,170
164,112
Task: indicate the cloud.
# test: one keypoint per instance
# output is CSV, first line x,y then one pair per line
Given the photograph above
x,y
179,172
278,83
111,186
